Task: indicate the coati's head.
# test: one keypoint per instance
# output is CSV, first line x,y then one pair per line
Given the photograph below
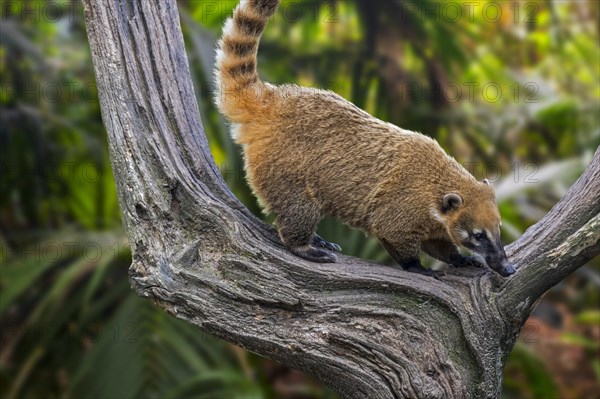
x,y
474,223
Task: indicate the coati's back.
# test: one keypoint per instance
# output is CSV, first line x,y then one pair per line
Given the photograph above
x,y
305,138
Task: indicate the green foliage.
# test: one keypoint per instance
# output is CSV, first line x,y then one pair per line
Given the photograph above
x,y
590,317
145,353
91,327
526,376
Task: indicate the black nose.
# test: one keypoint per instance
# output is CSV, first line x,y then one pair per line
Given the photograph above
x,y
508,270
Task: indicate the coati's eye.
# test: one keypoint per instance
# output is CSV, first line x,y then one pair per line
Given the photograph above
x,y
479,236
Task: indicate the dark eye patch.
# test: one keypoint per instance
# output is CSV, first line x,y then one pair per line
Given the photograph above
x,y
479,236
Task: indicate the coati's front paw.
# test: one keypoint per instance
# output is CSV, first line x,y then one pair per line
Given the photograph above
x,y
313,254
320,242
465,261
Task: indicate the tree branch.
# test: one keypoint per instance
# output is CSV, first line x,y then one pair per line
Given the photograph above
x,y
367,330
564,240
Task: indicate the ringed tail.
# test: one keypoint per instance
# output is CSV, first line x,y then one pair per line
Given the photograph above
x,y
240,93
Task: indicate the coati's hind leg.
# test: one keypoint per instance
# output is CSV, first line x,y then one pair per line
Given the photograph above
x,y
447,252
406,254
297,227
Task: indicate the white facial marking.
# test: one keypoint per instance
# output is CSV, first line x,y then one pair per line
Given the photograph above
x,y
436,215
463,234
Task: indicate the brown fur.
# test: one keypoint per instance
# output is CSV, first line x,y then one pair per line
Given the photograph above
x,y
310,153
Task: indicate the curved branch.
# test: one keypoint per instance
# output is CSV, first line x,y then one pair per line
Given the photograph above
x,y
203,257
564,240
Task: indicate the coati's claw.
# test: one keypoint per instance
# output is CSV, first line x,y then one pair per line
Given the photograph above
x,y
335,246
473,262
313,254
320,242
438,275
466,261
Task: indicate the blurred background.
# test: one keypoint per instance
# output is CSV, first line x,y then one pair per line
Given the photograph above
x,y
510,88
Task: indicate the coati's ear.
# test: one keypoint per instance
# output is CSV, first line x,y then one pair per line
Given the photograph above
x,y
487,183
451,201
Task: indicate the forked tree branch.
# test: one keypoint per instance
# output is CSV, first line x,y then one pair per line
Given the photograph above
x,y
366,330
564,240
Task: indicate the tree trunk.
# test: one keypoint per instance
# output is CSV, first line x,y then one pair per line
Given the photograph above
x,y
367,330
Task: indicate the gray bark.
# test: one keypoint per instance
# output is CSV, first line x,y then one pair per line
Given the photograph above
x,y
367,330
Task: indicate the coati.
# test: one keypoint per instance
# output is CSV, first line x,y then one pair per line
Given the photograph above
x,y
310,153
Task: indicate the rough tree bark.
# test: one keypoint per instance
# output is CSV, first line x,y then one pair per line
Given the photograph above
x,y
367,330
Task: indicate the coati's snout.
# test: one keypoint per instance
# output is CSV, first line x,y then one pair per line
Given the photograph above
x,y
506,269
475,225
495,258
486,243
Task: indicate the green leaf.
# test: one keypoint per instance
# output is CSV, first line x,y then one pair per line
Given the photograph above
x,y
589,317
